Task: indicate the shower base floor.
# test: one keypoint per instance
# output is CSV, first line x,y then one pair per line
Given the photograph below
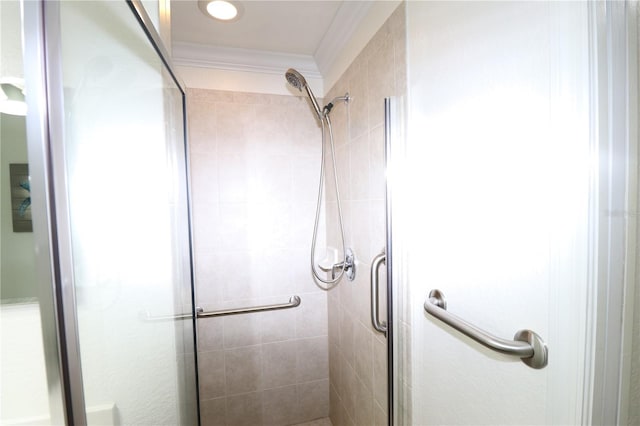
x,y
318,422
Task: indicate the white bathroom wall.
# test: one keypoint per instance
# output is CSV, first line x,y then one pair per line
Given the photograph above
x,y
500,177
23,389
159,12
10,40
24,393
255,162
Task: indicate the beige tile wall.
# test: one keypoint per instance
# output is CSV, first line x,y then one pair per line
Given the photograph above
x,y
357,353
255,164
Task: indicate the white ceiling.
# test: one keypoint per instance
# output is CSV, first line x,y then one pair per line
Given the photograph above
x,y
295,27
269,36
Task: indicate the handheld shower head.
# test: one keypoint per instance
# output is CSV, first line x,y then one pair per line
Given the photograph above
x,y
298,81
295,79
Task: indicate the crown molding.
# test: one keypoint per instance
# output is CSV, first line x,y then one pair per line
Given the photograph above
x,y
236,59
346,23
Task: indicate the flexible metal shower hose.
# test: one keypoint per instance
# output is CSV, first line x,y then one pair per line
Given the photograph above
x,y
334,281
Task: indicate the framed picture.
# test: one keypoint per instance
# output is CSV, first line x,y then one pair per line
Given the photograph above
x,y
20,197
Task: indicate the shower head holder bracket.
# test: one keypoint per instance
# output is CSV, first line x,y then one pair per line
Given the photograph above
x,y
349,266
328,107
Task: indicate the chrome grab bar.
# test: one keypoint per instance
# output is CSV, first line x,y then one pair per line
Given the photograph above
x,y
527,345
375,266
293,302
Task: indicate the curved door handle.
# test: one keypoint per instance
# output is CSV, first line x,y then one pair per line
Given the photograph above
x,y
375,266
527,345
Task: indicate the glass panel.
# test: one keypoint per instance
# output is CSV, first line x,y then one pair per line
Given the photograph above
x,y
126,188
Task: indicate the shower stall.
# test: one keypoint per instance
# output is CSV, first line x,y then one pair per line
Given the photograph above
x,y
498,141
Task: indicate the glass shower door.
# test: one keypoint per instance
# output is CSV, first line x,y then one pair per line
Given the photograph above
x,y
120,183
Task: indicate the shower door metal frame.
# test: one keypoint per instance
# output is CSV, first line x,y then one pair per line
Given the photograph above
x,y
59,360
389,115
396,206
45,141
614,49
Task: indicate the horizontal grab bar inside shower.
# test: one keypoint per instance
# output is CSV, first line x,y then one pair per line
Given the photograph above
x,y
293,302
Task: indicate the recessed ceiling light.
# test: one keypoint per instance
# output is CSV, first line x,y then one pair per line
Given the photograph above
x,y
222,10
